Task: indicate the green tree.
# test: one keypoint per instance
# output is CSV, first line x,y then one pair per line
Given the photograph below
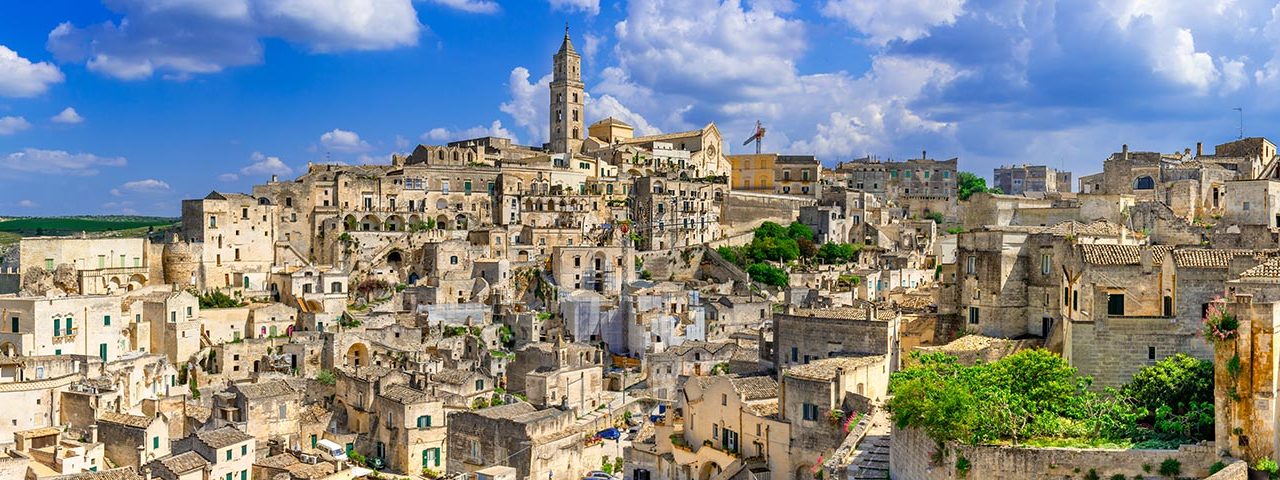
x,y
798,231
769,230
807,248
768,274
968,184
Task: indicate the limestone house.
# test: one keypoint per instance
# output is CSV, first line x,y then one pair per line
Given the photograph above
x,y
133,440
537,443
229,451
68,324
729,423
183,466
410,435
803,335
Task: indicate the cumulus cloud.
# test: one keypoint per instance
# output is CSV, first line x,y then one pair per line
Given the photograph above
x,y
12,125
528,104
20,77
67,115
228,177
149,186
265,165
346,141
589,7
57,162
883,22
183,38
27,203
494,129
471,6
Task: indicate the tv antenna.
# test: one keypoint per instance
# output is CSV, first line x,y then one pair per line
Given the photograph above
x,y
1241,111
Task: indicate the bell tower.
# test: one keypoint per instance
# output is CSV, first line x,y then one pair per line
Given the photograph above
x,y
566,99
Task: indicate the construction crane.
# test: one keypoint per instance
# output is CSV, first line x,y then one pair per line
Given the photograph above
x,y
756,137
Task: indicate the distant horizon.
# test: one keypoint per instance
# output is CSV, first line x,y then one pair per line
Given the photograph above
x,y
112,110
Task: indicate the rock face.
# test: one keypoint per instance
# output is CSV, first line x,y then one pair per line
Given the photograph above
x,y
65,278
36,281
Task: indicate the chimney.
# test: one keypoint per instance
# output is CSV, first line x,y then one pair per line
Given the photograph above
x,y
1186,151
1124,151
1199,149
924,154
93,433
275,178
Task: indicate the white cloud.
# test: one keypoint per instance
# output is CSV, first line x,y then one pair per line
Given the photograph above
x,y
528,105
471,6
228,177
265,165
589,7
20,77
27,203
183,38
149,186
494,129
60,162
346,141
591,45
1180,62
68,115
883,22
12,125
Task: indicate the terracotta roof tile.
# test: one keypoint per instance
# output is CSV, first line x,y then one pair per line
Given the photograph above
x,y
223,437
133,421
755,388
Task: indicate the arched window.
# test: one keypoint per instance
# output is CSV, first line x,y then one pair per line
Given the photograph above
x,y
1144,183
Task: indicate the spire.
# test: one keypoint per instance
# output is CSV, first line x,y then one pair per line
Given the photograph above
x,y
567,46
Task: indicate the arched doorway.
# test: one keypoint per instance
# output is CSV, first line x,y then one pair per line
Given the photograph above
x,y
357,355
709,470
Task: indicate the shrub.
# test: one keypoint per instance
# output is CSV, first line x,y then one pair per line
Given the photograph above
x,y
326,377
962,466
1171,467
1266,464
1118,476
1092,474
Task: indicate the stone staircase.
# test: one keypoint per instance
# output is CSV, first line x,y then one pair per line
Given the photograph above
x,y
871,458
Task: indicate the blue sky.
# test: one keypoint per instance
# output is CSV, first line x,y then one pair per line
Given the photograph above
x,y
129,106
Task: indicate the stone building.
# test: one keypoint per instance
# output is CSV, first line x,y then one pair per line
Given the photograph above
x,y
234,234
567,98
410,434
266,410
537,443
132,440
666,372
896,180
228,451
101,265
797,175
74,325
803,336
1020,179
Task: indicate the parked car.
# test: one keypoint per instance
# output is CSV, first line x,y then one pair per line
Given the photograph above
x,y
609,434
599,475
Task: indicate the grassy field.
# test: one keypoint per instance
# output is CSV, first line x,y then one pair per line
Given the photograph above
x,y
127,225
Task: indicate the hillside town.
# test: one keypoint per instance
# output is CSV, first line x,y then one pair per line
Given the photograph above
x,y
617,306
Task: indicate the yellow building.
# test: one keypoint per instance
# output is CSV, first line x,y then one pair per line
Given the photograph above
x,y
752,172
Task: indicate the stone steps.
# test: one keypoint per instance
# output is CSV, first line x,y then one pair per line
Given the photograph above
x,y
871,459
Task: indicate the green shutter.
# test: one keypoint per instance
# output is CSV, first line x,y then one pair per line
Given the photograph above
x,y
57,327
155,442
106,320
102,351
